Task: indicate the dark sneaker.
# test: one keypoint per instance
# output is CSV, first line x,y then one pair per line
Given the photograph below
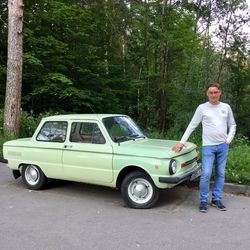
x,y
218,205
203,207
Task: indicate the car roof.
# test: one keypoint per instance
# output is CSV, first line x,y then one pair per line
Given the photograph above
x,y
80,116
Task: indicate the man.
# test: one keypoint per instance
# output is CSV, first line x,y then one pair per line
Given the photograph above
x,y
218,130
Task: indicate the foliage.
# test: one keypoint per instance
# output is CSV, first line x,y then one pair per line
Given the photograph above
x,y
28,124
149,59
144,58
238,166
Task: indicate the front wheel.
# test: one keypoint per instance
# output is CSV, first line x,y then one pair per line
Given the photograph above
x,y
33,177
139,191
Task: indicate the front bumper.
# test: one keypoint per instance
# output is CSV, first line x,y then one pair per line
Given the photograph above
x,y
196,172
3,160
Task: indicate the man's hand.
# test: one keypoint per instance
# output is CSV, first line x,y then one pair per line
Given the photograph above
x,y
178,147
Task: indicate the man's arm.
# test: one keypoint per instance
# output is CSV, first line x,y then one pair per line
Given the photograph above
x,y
232,126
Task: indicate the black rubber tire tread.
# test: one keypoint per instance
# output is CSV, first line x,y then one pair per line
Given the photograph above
x,y
124,190
41,182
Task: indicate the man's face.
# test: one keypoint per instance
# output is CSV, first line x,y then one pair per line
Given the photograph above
x,y
213,94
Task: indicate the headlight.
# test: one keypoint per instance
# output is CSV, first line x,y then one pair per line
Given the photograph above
x,y
172,167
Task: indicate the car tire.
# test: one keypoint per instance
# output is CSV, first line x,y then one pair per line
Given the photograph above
x,y
33,177
139,191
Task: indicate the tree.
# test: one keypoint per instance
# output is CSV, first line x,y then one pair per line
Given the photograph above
x,y
12,105
230,16
145,58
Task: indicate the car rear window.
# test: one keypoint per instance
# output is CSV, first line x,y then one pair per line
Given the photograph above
x,y
53,131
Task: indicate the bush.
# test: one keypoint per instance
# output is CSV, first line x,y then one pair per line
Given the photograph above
x,y
238,163
28,125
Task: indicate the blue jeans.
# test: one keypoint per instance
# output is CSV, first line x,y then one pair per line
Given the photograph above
x,y
211,154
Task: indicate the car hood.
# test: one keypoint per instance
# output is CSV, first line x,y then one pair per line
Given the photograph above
x,y
151,148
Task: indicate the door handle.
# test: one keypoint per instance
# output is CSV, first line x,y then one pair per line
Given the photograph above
x,y
67,146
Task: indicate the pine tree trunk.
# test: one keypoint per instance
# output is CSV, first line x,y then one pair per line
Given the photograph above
x,y
12,107
162,92
163,73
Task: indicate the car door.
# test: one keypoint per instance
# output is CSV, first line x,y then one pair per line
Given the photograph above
x,y
48,148
87,155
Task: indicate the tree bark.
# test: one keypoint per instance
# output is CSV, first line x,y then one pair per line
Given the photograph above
x,y
198,15
163,72
163,79
12,107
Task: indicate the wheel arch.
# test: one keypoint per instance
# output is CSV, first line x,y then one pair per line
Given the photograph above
x,y
18,172
21,165
127,170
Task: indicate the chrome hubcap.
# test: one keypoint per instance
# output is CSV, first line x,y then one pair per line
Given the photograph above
x,y
140,190
32,175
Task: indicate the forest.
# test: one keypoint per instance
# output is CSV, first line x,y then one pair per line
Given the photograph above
x,y
150,59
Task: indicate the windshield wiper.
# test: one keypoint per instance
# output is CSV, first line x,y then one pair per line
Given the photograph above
x,y
140,136
136,136
127,137
123,138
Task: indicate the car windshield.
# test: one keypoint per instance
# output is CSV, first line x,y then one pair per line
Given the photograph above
x,y
122,128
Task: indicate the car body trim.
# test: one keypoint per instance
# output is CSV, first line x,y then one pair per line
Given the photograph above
x,y
72,149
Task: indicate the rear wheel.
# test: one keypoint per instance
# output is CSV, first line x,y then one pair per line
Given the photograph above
x,y
139,191
33,177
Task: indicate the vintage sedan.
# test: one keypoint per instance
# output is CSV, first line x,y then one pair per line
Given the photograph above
x,y
101,149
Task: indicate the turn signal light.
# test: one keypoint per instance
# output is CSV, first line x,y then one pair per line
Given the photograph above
x,y
184,164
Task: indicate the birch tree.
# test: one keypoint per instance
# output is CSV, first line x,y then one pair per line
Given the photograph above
x,y
231,18
12,105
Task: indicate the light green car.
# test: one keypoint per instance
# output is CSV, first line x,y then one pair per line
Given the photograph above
x,y
102,149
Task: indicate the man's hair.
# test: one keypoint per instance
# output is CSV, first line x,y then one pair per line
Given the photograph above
x,y
217,85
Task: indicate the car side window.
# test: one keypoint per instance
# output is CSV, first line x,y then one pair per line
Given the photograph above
x,y
53,132
86,132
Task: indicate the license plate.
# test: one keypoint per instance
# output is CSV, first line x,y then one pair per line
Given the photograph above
x,y
195,174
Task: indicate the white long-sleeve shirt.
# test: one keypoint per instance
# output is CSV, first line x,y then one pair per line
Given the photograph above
x,y
218,124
